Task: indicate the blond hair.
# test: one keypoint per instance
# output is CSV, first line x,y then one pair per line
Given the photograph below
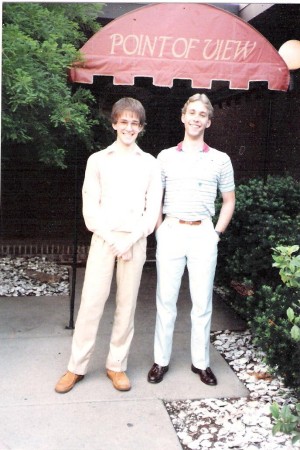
x,y
202,98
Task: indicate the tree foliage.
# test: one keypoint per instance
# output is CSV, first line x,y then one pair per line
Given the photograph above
x,y
40,108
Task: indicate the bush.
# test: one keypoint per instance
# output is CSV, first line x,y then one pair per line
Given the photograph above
x,y
289,270
271,329
266,215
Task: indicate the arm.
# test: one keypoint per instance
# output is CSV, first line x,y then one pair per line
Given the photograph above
x,y
160,215
91,199
153,204
160,218
226,212
94,219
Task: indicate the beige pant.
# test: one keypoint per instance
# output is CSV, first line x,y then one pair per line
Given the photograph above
x,y
96,289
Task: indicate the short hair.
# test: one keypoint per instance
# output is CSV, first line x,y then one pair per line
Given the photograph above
x,y
128,104
202,98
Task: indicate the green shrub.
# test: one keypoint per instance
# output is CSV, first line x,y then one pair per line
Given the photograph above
x,y
289,265
271,330
266,215
295,320
289,270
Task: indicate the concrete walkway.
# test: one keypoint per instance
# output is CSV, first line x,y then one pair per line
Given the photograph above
x,y
35,348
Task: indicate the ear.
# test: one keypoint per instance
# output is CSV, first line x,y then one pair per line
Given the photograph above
x,y
182,118
114,125
208,124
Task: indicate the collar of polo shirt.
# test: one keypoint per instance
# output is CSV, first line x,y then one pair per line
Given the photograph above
x,y
204,150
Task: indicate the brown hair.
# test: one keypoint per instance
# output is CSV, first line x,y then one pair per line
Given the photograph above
x,y
204,99
128,104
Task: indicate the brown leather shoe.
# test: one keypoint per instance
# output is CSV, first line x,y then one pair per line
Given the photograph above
x,y
156,373
67,382
206,376
119,380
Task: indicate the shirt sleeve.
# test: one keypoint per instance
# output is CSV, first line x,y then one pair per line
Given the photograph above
x,y
91,199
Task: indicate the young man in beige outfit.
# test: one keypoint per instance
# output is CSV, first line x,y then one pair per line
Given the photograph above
x,y
121,200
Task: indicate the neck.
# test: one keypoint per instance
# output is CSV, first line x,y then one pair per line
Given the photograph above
x,y
123,149
193,145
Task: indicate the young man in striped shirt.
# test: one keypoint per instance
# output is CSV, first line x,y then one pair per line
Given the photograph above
x,y
192,172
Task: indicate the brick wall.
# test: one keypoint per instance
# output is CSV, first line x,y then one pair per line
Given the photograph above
x,y
58,252
258,139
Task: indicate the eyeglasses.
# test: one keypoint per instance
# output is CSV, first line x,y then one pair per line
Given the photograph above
x,y
134,125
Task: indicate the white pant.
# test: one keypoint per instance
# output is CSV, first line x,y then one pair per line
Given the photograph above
x,y
179,245
96,289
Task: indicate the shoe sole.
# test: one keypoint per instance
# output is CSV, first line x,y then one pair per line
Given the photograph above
x,y
122,389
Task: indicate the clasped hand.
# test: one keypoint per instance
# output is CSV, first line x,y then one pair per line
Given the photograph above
x,y
121,248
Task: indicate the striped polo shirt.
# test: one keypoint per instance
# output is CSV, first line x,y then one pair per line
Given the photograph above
x,y
191,181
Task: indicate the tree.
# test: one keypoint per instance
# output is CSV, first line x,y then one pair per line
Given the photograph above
x,y
41,110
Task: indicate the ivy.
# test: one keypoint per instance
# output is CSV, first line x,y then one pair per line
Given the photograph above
x,y
40,107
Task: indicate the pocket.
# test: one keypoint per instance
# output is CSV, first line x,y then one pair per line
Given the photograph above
x,y
212,232
217,237
96,240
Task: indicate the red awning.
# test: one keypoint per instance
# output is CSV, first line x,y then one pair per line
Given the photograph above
x,y
168,41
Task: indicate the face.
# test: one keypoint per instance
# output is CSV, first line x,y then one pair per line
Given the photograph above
x,y
127,127
196,119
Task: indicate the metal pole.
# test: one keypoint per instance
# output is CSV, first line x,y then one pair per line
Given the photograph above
x,y
75,243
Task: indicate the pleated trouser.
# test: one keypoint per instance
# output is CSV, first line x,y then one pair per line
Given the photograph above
x,y
96,288
178,246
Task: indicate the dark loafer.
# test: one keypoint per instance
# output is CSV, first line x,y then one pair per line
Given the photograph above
x,y
206,376
156,373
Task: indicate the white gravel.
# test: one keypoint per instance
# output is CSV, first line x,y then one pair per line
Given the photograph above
x,y
36,276
243,423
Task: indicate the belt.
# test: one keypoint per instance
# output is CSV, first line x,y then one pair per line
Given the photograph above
x,y
190,222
